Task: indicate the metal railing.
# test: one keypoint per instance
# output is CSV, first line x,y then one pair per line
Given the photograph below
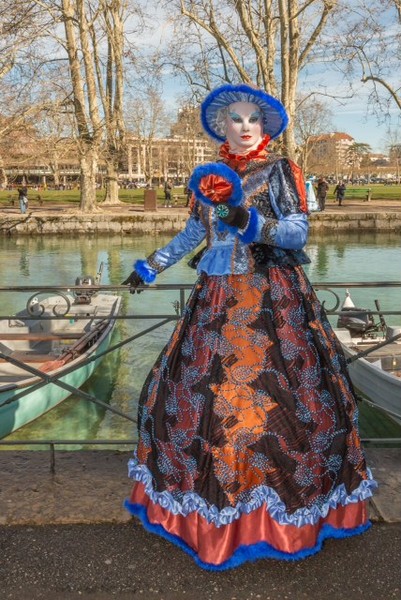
x,y
162,319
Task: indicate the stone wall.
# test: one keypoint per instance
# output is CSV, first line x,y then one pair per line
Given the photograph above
x,y
106,223
156,223
375,221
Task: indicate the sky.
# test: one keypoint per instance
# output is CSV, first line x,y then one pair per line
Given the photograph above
x,y
350,115
352,119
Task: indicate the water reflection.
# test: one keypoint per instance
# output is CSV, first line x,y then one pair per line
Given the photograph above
x,y
58,260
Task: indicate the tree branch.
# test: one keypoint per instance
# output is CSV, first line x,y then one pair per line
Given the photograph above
x,y
328,7
388,87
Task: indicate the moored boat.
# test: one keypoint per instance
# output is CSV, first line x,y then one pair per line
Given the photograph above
x,y
36,341
373,351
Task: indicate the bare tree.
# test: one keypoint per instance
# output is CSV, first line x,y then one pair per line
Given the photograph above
x,y
93,46
112,92
146,118
22,66
247,40
371,50
313,117
189,129
55,140
394,150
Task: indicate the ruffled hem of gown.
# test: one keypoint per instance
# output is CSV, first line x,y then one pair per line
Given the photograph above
x,y
254,536
262,495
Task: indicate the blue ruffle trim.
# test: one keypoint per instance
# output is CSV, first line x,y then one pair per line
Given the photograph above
x,y
251,231
244,553
192,502
144,271
221,170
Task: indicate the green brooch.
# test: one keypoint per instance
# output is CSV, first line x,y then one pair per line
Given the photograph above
x,y
222,211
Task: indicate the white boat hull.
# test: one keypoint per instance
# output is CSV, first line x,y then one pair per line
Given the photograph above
x,y
381,388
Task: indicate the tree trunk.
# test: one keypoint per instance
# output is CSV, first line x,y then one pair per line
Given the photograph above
x,y
111,184
56,173
289,144
88,163
56,179
3,176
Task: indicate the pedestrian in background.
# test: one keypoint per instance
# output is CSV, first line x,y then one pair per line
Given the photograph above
x,y
339,192
167,193
188,194
23,199
321,192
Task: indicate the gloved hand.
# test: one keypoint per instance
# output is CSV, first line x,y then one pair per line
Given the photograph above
x,y
236,216
133,280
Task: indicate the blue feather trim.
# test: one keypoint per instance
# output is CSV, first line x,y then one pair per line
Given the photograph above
x,y
244,553
251,231
144,271
221,170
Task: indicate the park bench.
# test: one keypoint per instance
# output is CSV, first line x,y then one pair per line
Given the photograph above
x,y
356,192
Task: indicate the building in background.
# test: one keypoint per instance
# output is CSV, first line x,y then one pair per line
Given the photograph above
x,y
328,154
26,158
55,163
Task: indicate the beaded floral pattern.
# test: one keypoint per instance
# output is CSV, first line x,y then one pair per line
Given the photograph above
x,y
251,393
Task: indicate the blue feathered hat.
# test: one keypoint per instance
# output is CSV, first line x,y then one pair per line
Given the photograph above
x,y
275,118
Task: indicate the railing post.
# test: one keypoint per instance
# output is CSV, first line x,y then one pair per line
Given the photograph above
x,y
52,460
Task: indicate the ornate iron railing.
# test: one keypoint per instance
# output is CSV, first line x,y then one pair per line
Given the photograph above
x,y
172,314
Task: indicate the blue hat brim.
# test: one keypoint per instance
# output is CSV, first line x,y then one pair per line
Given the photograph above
x,y
275,118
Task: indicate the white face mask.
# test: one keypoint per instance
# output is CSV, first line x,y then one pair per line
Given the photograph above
x,y
244,127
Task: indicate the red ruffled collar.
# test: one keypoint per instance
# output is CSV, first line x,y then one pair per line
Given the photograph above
x,y
236,161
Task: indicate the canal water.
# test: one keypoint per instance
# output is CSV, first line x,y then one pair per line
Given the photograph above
x,y
58,260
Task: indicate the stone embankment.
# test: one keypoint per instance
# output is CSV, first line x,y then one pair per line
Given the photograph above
x,y
378,216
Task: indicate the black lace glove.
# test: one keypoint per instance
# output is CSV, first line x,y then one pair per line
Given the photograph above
x,y
133,280
236,216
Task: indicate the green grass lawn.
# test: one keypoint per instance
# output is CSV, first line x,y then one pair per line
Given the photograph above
x,y
378,191
72,196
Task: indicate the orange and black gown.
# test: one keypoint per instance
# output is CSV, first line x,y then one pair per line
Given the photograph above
x,y
248,425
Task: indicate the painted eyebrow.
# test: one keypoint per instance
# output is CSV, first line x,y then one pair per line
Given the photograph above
x,y
256,114
234,114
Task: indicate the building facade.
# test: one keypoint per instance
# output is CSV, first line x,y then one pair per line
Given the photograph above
x,y
328,153
142,162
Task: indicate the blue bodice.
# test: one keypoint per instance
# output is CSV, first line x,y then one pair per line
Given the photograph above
x,y
277,229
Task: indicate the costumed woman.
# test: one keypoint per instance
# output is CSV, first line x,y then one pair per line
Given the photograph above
x,y
248,426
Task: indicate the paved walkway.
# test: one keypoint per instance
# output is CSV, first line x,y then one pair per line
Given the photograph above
x,y
102,562
66,536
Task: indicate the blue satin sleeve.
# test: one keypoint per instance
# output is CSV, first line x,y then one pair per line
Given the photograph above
x,y
290,233
183,243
